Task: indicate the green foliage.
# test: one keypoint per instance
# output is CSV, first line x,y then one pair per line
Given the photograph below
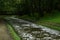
x,y
9,5
29,6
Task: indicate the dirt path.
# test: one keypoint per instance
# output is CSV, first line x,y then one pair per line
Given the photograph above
x,y
4,35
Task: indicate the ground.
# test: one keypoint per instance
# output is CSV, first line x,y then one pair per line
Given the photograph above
x,y
4,35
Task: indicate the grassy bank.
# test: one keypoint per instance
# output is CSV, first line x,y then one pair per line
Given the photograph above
x,y
12,32
52,21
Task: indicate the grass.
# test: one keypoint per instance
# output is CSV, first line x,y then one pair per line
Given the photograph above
x,y
13,34
49,25
52,21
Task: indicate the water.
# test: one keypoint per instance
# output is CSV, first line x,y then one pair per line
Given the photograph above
x,y
31,31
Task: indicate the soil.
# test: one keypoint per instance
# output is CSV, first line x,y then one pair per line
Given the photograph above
x,y
4,35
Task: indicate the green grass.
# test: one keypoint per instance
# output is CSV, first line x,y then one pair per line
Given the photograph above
x,y
30,17
55,17
26,17
56,20
13,34
51,21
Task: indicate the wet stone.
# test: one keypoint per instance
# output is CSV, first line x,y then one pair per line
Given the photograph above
x,y
46,35
54,39
37,39
58,37
53,35
23,25
28,32
47,38
35,32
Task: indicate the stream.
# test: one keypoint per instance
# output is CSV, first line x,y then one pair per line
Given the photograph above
x,y
30,31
